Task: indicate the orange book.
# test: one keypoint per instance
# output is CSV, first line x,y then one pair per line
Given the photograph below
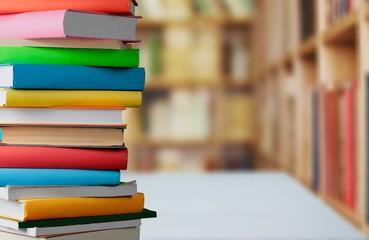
x,y
111,6
55,208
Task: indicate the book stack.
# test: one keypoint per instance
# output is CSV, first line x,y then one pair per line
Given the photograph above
x,y
67,74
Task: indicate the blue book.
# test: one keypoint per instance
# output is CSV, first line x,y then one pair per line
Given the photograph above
x,y
71,77
57,177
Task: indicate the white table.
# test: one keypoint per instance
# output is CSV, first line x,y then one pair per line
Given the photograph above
x,y
242,206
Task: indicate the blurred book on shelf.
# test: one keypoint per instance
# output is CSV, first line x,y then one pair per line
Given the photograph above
x,y
239,117
198,99
307,19
187,9
183,115
337,9
150,54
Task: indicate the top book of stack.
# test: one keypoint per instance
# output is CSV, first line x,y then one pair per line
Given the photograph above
x,y
124,7
66,24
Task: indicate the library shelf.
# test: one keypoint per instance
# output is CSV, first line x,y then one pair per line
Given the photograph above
x,y
309,47
343,31
213,42
221,21
332,57
153,85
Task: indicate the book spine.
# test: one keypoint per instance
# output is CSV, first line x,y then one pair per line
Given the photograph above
x,y
86,220
54,208
82,99
315,140
57,177
36,76
70,56
63,158
111,6
349,148
332,166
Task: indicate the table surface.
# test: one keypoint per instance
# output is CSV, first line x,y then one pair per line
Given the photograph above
x,y
242,206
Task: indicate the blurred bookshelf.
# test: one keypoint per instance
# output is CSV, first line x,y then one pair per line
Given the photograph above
x,y
198,103
311,74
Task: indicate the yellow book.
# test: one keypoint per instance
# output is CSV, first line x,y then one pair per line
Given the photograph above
x,y
55,208
69,98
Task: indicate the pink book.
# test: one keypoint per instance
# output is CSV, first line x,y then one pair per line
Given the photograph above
x,y
68,23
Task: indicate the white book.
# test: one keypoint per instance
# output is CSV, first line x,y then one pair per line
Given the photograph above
x,y
13,193
10,226
112,234
66,43
60,116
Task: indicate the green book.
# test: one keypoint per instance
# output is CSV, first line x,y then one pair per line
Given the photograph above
x,y
70,56
146,213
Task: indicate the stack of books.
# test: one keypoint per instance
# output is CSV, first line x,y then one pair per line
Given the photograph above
x,y
68,71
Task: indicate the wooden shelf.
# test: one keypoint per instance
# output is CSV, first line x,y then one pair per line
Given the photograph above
x,y
173,143
286,60
333,54
344,31
242,85
309,47
225,21
154,84
150,23
230,83
237,21
238,143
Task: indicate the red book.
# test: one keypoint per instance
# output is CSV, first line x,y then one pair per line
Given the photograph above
x,y
63,158
331,163
349,148
107,6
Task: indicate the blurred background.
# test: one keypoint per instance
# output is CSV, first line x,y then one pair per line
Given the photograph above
x,y
198,110
236,85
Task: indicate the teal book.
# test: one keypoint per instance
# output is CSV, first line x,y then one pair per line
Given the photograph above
x,y
70,56
71,77
57,177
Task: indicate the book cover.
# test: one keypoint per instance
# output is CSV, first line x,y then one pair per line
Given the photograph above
x,y
145,213
315,140
62,136
62,116
70,56
63,158
349,148
54,208
71,77
13,193
71,98
72,229
111,6
57,177
111,234
331,145
68,23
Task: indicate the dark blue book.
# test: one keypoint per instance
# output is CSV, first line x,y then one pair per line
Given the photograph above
x,y
57,177
71,77
315,139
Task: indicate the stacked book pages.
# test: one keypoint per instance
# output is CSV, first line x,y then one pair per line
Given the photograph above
x,y
67,73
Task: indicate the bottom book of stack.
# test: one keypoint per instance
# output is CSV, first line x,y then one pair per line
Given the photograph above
x,y
67,213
